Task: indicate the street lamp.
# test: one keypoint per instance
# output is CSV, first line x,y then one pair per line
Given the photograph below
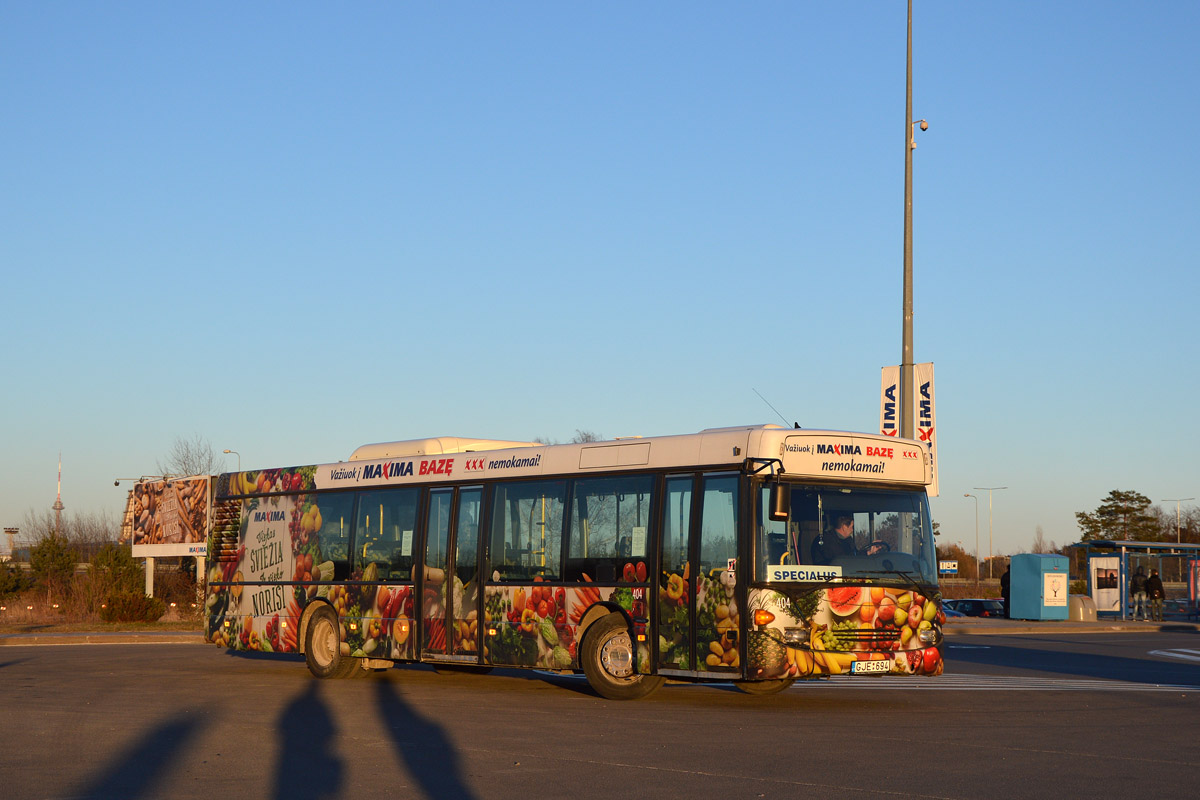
x,y
976,499
989,490
239,457
142,479
1177,501
907,401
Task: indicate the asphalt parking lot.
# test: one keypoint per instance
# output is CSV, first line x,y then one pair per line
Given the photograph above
x,y
1016,715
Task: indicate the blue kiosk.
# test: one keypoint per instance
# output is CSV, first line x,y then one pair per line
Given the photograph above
x,y
1038,586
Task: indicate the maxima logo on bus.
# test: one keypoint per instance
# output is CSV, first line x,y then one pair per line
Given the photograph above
x,y
853,450
392,470
404,469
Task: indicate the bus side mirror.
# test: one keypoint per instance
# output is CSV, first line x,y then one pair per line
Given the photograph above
x,y
781,502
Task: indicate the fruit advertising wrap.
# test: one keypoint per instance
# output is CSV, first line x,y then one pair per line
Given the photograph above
x,y
717,622
537,626
851,629
274,539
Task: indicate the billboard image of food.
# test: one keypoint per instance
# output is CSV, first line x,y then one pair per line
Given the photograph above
x,y
169,517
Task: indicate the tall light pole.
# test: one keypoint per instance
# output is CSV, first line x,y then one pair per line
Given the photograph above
x,y
1177,501
239,457
989,490
976,499
907,402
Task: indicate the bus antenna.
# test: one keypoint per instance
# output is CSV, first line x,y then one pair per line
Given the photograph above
x,y
773,408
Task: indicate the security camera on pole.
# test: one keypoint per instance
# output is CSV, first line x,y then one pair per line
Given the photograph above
x,y
900,412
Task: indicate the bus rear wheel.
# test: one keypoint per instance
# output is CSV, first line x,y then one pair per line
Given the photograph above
x,y
764,687
610,661
323,647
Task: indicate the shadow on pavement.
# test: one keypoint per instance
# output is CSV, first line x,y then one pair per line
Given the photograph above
x,y
252,655
147,760
307,767
421,746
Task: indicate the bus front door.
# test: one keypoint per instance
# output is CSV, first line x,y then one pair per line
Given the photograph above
x,y
449,591
675,608
698,619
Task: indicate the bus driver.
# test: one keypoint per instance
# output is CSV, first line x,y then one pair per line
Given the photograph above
x,y
840,543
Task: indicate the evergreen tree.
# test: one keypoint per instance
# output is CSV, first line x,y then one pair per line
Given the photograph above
x,y
1122,515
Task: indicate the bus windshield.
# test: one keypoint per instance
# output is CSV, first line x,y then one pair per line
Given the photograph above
x,y
848,533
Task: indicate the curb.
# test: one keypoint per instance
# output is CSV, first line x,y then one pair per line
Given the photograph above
x,y
1021,627
44,639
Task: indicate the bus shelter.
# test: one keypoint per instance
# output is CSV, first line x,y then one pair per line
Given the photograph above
x,y
1110,563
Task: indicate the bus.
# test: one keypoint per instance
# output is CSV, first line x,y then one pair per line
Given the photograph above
x,y
757,555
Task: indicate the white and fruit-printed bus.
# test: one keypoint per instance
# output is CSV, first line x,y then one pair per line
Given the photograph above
x,y
757,555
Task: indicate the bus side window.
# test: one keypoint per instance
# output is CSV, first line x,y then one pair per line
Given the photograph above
x,y
383,532
608,531
333,537
526,530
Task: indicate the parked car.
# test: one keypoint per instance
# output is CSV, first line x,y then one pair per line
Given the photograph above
x,y
978,606
1176,606
950,611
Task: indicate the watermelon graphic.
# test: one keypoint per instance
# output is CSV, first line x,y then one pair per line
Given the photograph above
x,y
845,600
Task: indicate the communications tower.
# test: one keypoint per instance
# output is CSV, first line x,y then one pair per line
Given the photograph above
x,y
58,504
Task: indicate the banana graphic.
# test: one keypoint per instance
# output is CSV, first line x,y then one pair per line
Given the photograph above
x,y
822,659
844,659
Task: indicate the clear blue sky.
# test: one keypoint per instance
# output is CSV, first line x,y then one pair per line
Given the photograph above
x,y
293,231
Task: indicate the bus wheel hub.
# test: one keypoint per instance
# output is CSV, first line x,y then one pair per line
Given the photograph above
x,y
617,656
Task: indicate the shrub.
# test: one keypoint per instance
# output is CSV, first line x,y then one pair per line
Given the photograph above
x,y
127,606
53,560
115,566
12,580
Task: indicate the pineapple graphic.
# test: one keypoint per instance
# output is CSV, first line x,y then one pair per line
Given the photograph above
x,y
766,652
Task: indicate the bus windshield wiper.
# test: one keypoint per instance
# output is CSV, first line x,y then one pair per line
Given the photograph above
x,y
904,574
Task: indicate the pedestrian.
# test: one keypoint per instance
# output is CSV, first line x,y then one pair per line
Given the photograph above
x,y
1137,592
1006,593
1154,590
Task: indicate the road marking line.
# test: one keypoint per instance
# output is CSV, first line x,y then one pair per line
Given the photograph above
x,y
985,683
1187,655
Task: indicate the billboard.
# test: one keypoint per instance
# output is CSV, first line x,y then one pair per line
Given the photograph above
x,y
1105,573
170,517
925,413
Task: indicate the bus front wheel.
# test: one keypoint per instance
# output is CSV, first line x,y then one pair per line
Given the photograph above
x,y
323,647
609,661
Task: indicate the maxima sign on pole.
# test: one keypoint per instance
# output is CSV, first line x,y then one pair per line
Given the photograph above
x,y
889,420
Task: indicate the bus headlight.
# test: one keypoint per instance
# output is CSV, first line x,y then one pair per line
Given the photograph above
x,y
927,635
795,636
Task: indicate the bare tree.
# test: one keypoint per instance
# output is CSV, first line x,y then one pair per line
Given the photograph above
x,y
193,456
1039,542
86,532
580,437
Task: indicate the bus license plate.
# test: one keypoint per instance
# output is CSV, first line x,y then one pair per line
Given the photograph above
x,y
870,667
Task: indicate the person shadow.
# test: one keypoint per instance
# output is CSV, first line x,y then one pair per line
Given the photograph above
x,y
145,768
307,767
421,746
